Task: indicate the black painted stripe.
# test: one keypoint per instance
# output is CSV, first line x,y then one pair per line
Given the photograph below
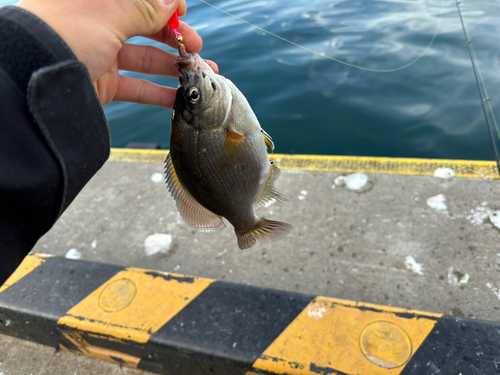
x,y
226,329
457,346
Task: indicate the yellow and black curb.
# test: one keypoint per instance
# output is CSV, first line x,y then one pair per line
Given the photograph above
x,y
182,325
342,164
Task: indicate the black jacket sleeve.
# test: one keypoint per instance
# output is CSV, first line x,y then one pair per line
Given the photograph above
x,y
53,133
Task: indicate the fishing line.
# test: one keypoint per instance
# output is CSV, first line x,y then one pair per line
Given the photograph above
x,y
331,58
479,77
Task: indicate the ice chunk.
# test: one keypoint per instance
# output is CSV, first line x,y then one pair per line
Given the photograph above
x,y
446,173
456,277
157,177
340,181
73,254
495,218
356,181
412,265
158,242
270,203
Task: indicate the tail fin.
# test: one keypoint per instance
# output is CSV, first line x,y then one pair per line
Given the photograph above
x,y
264,230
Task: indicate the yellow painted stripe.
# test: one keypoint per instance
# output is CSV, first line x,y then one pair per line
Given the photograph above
x,y
128,307
334,336
83,347
29,263
342,164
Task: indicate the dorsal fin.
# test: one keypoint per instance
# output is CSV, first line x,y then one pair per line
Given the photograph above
x,y
268,140
191,211
269,192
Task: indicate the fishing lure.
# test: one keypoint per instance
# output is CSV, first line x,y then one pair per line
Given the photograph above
x,y
173,23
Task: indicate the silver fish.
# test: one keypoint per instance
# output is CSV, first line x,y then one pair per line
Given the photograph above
x,y
218,166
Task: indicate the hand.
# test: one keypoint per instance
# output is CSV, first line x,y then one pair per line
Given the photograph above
x,y
96,31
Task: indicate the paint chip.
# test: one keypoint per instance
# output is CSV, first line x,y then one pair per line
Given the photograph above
x,y
356,181
158,242
412,265
437,202
157,177
445,173
73,254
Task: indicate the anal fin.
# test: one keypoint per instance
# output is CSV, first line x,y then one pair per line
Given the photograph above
x,y
193,213
269,192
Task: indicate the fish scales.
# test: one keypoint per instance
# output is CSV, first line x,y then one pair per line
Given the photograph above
x,y
218,165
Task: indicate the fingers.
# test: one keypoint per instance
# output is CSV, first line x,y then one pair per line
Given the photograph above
x,y
192,40
213,65
147,60
144,92
151,60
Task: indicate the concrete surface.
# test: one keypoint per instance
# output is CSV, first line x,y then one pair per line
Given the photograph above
x,y
384,244
19,357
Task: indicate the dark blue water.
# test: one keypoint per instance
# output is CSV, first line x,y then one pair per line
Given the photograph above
x,y
313,105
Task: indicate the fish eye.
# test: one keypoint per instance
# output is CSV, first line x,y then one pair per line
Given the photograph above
x,y
193,94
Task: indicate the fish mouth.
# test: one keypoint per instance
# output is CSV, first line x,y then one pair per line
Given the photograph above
x,y
191,63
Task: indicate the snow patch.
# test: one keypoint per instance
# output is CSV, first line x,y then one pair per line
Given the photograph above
x,y
412,265
446,173
157,177
158,242
437,202
479,214
73,254
356,181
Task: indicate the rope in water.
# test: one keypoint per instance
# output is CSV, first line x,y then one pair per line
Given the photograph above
x,y
331,58
479,78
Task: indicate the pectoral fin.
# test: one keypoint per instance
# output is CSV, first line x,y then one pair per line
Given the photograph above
x,y
269,192
235,134
191,211
268,140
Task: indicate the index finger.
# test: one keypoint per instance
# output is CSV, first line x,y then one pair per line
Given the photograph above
x,y
192,40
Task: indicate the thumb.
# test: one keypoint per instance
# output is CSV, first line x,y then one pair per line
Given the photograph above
x,y
146,17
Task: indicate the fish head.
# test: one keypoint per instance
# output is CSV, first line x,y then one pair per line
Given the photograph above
x,y
203,98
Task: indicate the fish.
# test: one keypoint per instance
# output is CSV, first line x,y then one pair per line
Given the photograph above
x,y
218,165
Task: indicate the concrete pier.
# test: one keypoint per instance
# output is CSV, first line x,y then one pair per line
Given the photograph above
x,y
413,241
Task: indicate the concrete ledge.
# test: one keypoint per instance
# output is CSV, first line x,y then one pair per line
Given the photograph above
x,y
342,164
175,324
